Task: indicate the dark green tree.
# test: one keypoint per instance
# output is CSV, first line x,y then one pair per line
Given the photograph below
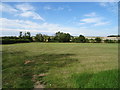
x,y
62,37
20,35
39,37
80,39
98,40
87,40
92,40
28,34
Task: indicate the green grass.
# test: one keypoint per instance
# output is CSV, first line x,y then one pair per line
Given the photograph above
x,y
65,65
97,80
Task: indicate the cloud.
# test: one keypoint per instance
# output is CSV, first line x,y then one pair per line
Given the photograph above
x,y
27,10
82,23
91,20
104,4
25,7
53,8
32,14
91,14
60,8
23,10
110,6
94,19
47,8
9,25
7,8
101,23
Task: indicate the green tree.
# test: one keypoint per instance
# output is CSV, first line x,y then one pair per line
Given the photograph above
x,y
20,35
62,37
98,40
46,37
87,40
39,37
92,40
28,34
80,39
110,41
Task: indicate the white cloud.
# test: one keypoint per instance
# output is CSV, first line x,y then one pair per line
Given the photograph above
x,y
23,10
94,19
103,4
53,8
32,14
91,20
25,7
47,7
101,23
27,10
9,25
91,14
110,6
7,8
81,23
60,8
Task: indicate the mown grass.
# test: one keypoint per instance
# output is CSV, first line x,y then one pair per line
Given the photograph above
x,y
64,65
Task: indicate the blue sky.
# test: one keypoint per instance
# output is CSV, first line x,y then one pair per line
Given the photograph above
x,y
86,18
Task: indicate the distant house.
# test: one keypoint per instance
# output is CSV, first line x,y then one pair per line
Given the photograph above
x,y
88,37
110,38
104,38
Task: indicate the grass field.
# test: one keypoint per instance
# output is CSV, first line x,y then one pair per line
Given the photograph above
x,y
60,65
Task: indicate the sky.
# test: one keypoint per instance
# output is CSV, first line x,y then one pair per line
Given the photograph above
x,y
76,18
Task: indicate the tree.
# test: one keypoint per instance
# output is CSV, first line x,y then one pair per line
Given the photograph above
x,y
62,37
110,41
28,34
87,40
46,37
20,35
92,40
80,39
98,40
39,37
49,39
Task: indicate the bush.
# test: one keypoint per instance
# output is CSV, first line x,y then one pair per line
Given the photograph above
x,y
110,41
39,38
8,41
11,41
98,40
80,39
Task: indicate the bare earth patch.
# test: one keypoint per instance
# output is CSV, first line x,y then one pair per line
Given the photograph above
x,y
28,61
37,83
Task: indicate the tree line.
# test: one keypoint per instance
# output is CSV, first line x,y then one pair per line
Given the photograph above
x,y
58,37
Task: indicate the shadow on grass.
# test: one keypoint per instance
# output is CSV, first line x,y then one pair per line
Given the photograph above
x,y
54,60
17,74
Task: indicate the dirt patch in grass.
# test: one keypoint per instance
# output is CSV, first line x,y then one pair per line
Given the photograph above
x,y
30,70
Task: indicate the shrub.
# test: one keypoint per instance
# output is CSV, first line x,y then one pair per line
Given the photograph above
x,y
110,41
11,41
98,40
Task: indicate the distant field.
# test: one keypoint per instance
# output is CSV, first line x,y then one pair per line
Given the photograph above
x,y
60,65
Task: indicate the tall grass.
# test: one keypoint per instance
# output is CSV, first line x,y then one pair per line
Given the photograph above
x,y
103,79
